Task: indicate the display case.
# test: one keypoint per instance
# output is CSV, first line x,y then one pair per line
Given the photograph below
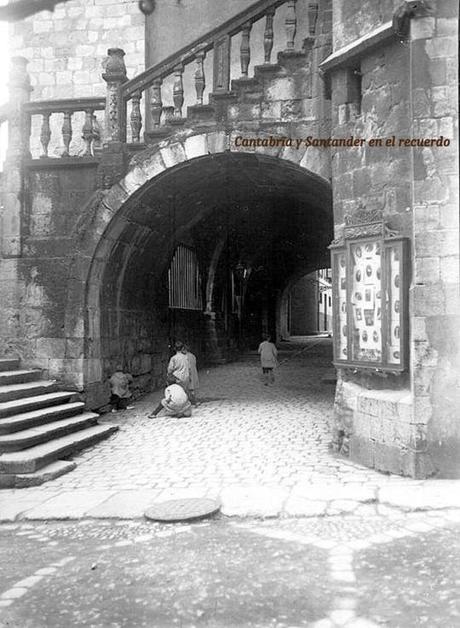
x,y
370,287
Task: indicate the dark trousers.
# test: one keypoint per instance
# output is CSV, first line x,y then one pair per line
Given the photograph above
x,y
119,403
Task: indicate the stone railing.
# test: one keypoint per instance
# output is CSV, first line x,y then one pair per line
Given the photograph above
x,y
71,127
56,117
124,96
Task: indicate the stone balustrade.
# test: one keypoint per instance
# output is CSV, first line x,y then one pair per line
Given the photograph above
x,y
151,105
210,60
61,121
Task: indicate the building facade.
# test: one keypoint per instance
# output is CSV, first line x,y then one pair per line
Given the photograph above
x,y
219,152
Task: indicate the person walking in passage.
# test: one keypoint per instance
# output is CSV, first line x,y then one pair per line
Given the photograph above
x,y
194,382
268,359
120,386
175,403
179,368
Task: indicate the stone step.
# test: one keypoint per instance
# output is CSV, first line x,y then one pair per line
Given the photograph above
x,y
19,391
19,406
292,60
246,84
19,376
268,71
9,364
34,458
27,420
49,472
201,114
44,433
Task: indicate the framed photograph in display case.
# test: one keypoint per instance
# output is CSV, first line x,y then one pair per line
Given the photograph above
x,y
370,288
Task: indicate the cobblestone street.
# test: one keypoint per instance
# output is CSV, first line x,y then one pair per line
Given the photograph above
x,y
392,569
262,450
338,545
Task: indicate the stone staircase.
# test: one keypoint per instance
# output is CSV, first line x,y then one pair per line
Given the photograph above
x,y
241,105
40,425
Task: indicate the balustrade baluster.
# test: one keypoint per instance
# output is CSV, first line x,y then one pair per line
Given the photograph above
x,y
221,63
178,91
290,25
199,77
168,115
312,18
27,122
45,134
136,117
268,35
245,48
87,132
156,103
67,132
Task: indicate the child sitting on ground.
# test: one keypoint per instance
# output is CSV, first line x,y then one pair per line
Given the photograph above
x,y
120,386
175,403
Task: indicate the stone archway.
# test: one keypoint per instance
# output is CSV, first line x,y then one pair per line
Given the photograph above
x,y
121,219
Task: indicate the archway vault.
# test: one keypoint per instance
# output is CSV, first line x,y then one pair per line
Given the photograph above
x,y
273,213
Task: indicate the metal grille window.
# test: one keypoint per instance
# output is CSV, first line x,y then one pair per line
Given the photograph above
x,y
184,280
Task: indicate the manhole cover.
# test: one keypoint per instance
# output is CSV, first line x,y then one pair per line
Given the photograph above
x,y
182,509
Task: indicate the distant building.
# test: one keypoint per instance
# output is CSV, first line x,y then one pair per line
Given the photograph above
x,y
310,304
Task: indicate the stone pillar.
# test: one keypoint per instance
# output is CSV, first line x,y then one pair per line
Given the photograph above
x,y
435,297
20,89
114,157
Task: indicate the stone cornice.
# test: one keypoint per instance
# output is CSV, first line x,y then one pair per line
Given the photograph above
x,y
349,54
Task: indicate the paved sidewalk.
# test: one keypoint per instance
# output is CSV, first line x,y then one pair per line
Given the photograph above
x,y
263,451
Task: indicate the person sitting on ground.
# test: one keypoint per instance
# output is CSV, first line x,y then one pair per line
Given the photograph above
x,y
178,367
175,403
120,386
194,382
268,359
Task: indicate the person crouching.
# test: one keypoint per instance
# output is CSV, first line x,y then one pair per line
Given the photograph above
x,y
175,403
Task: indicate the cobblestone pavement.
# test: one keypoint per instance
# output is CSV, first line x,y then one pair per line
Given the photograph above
x,y
392,569
263,450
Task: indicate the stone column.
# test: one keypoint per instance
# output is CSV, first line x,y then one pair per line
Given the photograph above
x,y
19,84
114,156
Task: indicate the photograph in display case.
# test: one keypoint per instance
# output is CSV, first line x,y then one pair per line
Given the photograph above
x,y
370,293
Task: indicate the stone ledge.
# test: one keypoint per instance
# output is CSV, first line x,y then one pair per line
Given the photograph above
x,y
237,501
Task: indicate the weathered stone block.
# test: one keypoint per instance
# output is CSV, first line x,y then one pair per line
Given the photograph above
x,y
449,269
423,409
430,244
362,450
50,347
422,27
173,155
449,216
423,379
368,405
419,328
441,47
427,270
452,298
428,300
195,146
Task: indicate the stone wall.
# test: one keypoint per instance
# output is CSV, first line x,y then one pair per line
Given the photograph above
x,y
435,294
304,306
404,424
65,48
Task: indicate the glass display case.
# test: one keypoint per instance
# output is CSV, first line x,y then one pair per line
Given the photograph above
x,y
370,303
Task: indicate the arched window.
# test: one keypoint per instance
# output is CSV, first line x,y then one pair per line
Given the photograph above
x,y
184,280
